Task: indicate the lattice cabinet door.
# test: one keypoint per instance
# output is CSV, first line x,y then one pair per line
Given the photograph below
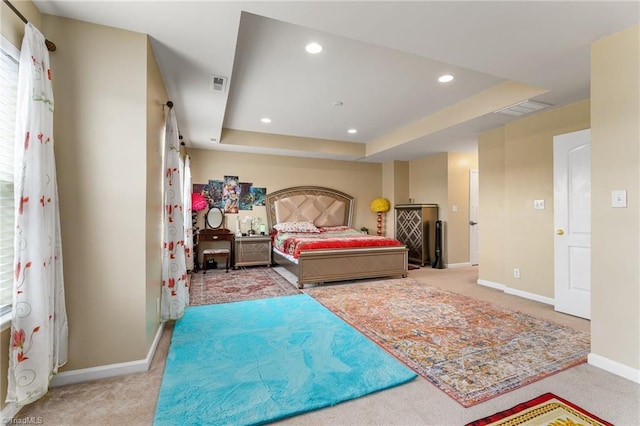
x,y
415,224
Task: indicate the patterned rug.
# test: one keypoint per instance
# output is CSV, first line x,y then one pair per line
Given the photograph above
x,y
471,350
547,409
218,286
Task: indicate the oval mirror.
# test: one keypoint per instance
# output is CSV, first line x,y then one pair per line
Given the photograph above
x,y
214,217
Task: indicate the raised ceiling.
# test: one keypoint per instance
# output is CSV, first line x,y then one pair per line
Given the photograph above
x,y
381,60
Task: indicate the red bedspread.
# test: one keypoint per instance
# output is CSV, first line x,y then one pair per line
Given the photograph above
x,y
329,238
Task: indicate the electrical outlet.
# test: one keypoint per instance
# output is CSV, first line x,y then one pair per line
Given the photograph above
x,y
516,273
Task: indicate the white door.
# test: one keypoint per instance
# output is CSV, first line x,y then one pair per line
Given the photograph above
x,y
474,228
572,221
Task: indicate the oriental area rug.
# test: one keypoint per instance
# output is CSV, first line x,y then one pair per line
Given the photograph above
x,y
258,361
471,350
218,286
547,409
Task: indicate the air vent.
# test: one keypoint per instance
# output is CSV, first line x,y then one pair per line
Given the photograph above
x,y
524,107
218,84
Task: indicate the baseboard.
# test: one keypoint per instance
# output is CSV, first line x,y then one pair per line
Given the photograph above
x,y
531,296
492,284
8,412
519,293
457,265
614,367
111,370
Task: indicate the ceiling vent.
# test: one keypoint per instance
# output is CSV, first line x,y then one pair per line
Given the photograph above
x,y
218,84
524,107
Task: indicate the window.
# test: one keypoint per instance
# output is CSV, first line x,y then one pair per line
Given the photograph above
x,y
9,59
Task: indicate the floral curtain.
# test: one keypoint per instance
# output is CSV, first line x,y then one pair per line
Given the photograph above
x,y
188,223
39,334
175,291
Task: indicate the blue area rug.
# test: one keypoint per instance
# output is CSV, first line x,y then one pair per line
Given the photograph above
x,y
258,361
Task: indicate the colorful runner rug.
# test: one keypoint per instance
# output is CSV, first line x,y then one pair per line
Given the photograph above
x,y
471,350
261,360
547,409
218,286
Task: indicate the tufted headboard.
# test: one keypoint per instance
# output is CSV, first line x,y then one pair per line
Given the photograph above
x,y
322,206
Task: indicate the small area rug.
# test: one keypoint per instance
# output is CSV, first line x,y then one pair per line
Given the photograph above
x,y
547,409
258,361
218,286
471,350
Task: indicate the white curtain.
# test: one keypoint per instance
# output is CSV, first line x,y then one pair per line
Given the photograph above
x,y
175,292
188,223
39,334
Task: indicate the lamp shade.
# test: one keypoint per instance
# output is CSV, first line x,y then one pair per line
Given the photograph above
x,y
380,205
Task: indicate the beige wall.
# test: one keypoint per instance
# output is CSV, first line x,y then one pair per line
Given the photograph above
x,y
103,141
492,211
12,28
443,179
615,132
523,156
156,96
361,180
395,187
457,229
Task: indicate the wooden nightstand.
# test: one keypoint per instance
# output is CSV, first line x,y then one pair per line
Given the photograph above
x,y
255,250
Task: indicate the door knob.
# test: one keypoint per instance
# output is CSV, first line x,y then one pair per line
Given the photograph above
x,y
473,223
560,232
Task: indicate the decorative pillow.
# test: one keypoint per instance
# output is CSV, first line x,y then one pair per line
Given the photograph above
x,y
340,228
296,227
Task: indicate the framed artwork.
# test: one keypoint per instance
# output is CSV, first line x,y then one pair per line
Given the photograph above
x,y
231,194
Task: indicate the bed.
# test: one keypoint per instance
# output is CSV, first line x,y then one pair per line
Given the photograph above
x,y
329,211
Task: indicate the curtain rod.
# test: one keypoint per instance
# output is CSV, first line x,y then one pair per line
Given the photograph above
x,y
51,47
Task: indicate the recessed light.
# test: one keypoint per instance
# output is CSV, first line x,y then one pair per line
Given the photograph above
x,y
445,78
266,120
352,131
313,48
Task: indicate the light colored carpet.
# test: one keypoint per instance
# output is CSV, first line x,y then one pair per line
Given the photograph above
x,y
131,400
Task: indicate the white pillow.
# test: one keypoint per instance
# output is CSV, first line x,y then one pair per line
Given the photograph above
x,y
308,227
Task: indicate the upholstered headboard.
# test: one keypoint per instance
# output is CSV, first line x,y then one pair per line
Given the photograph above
x,y
322,206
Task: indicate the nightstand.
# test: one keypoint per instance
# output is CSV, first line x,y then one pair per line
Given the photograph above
x,y
254,250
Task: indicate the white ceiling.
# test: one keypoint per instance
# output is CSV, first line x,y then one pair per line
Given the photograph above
x,y
380,59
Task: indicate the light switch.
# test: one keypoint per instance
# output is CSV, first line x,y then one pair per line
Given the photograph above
x,y
454,208
538,204
619,198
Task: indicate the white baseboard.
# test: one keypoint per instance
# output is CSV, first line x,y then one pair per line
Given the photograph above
x,y
531,296
614,367
519,293
457,265
492,284
111,370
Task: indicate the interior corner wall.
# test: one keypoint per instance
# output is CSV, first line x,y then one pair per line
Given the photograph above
x,y
156,97
100,128
458,171
12,28
523,156
615,133
360,180
443,179
395,187
492,211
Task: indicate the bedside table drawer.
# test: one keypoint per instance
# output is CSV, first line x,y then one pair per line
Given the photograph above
x,y
253,251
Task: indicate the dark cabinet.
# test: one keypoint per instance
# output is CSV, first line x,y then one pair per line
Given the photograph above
x,y
416,228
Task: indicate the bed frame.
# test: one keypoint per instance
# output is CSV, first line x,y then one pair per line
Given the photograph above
x,y
328,207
